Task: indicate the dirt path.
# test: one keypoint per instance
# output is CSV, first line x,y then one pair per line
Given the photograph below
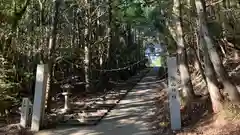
x,y
130,117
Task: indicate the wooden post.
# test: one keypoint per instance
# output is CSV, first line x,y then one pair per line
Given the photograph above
x,y
173,94
39,97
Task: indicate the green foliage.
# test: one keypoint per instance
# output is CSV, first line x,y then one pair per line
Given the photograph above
x,y
13,80
28,40
132,11
13,10
7,72
157,19
8,86
6,6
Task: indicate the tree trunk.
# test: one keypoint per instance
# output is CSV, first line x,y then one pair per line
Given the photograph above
x,y
211,80
51,49
212,83
129,34
87,47
199,65
110,34
229,87
86,67
80,30
99,34
222,18
183,66
198,42
236,55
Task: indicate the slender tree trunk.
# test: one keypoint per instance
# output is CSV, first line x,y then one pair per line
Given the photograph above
x,y
73,33
87,47
197,49
211,80
221,7
40,42
183,66
129,34
212,83
99,34
110,33
80,30
199,65
51,49
229,87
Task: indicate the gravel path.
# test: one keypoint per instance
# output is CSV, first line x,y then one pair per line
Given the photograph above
x,y
129,117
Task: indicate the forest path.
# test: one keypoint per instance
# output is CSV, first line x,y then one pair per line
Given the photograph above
x,y
130,117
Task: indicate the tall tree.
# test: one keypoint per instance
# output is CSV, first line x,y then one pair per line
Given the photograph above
x,y
229,87
181,50
87,45
51,50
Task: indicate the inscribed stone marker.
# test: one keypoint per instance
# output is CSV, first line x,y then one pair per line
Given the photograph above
x,y
25,112
173,94
39,97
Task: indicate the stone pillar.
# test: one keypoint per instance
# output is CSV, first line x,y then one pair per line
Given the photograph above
x,y
173,94
39,97
26,105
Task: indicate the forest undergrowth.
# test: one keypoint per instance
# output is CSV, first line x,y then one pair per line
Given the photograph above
x,y
198,117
